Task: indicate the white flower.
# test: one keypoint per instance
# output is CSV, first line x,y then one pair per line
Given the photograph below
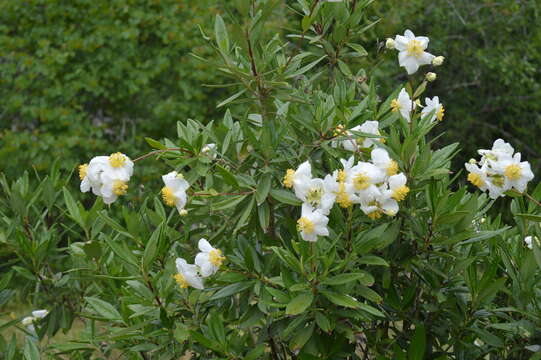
x,y
209,259
312,223
40,314
319,193
345,194
403,104
378,205
438,60
430,76
433,105
397,187
389,44
353,141
381,158
516,173
528,240
210,150
187,275
364,177
174,191
297,178
107,176
412,52
500,151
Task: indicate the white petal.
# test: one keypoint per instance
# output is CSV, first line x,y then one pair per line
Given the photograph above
x,y
204,245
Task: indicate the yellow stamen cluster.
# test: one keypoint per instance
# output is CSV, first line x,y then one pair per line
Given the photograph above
x,y
181,281
83,170
361,182
314,196
117,160
338,130
512,172
395,105
341,177
120,187
374,215
168,196
476,179
441,113
216,258
288,179
400,193
414,48
392,169
342,197
305,225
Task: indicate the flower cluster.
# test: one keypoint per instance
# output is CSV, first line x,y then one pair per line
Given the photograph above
x,y
405,106
107,176
36,316
499,170
207,263
411,51
375,185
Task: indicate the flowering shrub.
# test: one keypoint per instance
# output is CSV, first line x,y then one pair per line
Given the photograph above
x,y
334,230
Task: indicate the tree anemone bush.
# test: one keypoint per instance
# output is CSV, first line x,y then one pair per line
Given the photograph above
x,y
314,221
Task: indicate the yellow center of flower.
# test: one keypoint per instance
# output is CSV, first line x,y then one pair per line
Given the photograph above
x,y
341,177
168,196
288,179
342,197
414,48
440,113
361,182
216,258
395,105
83,169
512,172
181,281
392,169
117,160
475,179
314,196
498,180
382,140
374,215
400,193
305,225
120,187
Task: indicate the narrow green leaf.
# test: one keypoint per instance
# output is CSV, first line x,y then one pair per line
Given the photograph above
x,y
300,303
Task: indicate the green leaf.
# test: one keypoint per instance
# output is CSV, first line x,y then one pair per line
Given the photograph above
x,y
151,247
416,350
373,260
346,278
73,209
230,99
181,332
341,299
31,351
229,178
103,308
358,48
155,144
263,188
285,197
227,203
231,290
299,304
323,322
222,39
531,217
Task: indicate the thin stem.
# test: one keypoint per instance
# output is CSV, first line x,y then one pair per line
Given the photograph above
x,y
162,151
532,199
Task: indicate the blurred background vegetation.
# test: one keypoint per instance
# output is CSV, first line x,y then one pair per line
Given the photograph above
x,y
85,77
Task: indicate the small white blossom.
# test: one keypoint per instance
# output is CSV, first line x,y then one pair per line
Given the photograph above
x,y
209,150
389,44
209,259
312,224
381,159
412,52
297,178
319,193
433,105
174,191
528,240
403,104
187,275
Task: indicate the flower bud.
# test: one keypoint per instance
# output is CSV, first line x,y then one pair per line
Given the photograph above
x,y
389,44
472,161
183,212
431,76
438,60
